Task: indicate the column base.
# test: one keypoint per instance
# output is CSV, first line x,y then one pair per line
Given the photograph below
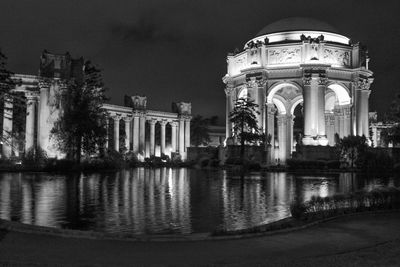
x,y
308,141
322,140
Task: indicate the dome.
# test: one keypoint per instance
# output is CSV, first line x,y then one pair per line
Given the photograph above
x,y
297,24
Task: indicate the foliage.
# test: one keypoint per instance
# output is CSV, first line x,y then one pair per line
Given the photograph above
x,y
35,156
7,96
353,149
378,198
199,131
376,161
81,126
245,128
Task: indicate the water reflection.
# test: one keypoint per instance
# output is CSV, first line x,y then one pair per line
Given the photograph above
x,y
165,200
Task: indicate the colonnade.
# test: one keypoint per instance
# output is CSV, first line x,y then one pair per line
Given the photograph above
x,y
135,133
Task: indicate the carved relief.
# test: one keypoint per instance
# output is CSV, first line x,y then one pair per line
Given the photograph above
x,y
337,57
285,55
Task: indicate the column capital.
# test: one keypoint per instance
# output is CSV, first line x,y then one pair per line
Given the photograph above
x,y
253,82
229,89
185,117
322,80
152,121
173,123
307,79
116,117
139,113
363,83
44,84
163,122
31,96
127,118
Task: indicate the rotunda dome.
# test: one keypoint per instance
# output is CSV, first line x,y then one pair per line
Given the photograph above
x,y
297,24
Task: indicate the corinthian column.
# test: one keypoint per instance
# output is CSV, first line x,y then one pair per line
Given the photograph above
x,y
43,115
116,119
187,133
271,122
152,137
174,126
362,106
282,137
309,120
142,136
7,126
181,137
163,123
228,92
127,121
135,134
322,140
30,121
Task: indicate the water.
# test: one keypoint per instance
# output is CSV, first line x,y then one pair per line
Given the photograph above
x,y
165,200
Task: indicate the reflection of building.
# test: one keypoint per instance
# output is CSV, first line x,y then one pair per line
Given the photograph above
x,y
302,61
44,95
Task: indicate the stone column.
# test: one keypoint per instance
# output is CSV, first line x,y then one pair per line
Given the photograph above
x,y
43,115
309,120
162,124
30,122
135,134
362,107
271,122
365,112
174,126
127,121
181,137
322,140
7,126
116,119
289,132
228,92
346,120
282,137
107,133
142,136
187,133
152,137
330,128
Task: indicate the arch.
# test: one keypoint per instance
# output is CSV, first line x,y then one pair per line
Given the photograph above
x,y
243,93
330,101
295,102
277,86
342,93
280,105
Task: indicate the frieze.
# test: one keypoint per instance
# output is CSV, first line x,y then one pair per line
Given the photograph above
x,y
284,55
337,57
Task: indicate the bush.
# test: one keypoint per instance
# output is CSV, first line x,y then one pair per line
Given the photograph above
x,y
376,161
379,198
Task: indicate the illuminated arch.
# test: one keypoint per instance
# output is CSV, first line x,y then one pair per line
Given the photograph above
x,y
243,93
342,93
279,105
276,87
330,101
296,101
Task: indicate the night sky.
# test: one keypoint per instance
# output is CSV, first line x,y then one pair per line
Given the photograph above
x,y
176,50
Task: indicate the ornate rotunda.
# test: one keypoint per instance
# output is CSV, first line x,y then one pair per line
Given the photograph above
x,y
301,64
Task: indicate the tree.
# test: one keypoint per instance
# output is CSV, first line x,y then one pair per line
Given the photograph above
x,y
353,149
392,134
81,126
7,97
199,131
245,128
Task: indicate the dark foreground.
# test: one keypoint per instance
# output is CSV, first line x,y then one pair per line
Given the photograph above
x,y
360,240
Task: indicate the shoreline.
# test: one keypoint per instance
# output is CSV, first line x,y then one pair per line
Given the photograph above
x,y
285,225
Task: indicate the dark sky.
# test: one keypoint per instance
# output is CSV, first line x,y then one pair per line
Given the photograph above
x,y
172,50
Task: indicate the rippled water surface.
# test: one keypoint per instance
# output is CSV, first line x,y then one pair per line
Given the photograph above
x,y
156,201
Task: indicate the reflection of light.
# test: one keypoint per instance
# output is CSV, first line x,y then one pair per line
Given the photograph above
x,y
323,189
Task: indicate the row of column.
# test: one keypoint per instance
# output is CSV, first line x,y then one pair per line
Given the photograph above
x,y
180,134
7,136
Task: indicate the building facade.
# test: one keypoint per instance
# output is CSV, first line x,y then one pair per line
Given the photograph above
x,y
301,63
44,105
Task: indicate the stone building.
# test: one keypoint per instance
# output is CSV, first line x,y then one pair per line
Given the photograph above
x,y
303,66
44,105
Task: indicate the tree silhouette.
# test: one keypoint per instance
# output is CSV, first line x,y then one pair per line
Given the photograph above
x,y
245,128
81,127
